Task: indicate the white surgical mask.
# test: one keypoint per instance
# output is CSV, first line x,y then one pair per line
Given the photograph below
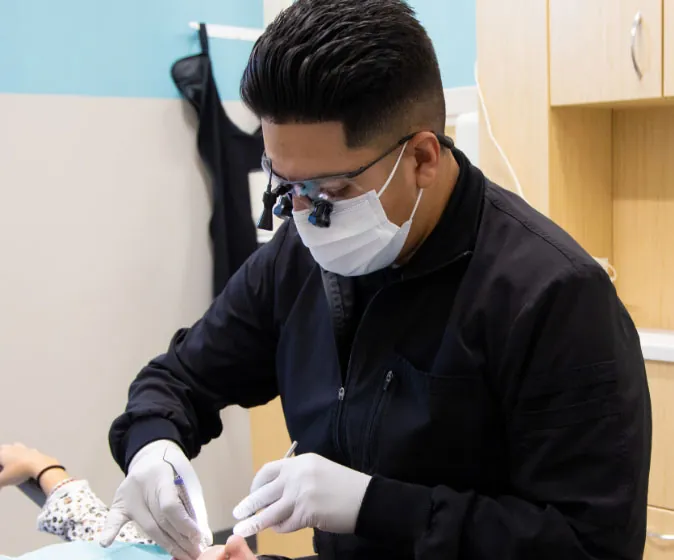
x,y
361,239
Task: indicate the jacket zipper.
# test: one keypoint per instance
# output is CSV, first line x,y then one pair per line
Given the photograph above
x,y
341,393
340,401
378,411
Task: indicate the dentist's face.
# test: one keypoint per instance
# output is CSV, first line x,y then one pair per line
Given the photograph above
x,y
306,151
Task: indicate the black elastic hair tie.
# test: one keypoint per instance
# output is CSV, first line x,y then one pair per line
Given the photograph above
x,y
47,469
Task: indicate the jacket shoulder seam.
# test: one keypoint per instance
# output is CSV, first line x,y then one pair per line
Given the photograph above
x,y
540,234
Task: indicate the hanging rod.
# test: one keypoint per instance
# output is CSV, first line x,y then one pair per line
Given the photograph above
x,y
230,32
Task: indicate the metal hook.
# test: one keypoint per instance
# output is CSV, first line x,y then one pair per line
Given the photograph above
x,y
175,472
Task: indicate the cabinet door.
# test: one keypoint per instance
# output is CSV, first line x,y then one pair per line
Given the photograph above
x,y
661,487
270,442
668,28
660,543
595,59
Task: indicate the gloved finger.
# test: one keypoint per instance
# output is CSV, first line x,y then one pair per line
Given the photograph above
x,y
177,516
170,515
206,535
191,544
275,514
201,514
293,523
177,522
154,529
259,499
116,519
199,505
266,474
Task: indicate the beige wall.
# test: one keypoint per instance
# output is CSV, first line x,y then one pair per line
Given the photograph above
x,y
104,252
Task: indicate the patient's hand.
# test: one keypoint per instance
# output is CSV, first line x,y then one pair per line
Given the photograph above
x,y
18,463
235,549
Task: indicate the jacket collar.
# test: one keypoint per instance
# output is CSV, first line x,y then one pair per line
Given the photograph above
x,y
456,233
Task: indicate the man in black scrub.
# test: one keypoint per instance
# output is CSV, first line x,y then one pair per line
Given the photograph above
x,y
461,377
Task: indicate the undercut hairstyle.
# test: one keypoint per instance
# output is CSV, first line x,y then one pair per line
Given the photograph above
x,y
368,64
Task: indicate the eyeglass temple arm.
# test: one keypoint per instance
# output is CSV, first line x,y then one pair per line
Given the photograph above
x,y
445,141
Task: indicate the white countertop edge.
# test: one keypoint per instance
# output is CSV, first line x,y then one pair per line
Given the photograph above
x,y
657,345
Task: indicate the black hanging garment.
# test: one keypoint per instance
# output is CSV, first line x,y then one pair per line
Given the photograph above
x,y
229,155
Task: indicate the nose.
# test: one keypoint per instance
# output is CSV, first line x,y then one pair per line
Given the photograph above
x,y
301,203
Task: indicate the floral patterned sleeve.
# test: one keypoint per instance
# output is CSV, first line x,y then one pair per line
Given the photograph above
x,y
74,513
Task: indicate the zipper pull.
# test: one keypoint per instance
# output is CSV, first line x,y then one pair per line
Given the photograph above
x,y
341,393
387,381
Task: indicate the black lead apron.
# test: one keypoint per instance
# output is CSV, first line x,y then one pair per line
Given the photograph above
x,y
229,155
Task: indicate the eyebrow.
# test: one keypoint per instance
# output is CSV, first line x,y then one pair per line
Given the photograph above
x,y
311,178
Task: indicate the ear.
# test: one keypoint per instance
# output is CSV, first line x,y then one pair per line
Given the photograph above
x,y
427,152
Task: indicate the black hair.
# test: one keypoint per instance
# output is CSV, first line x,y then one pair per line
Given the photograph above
x,y
368,64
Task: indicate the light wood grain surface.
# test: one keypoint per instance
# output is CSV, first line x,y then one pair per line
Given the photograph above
x,y
271,441
590,50
643,213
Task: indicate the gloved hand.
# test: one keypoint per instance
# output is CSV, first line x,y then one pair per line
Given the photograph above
x,y
149,497
305,491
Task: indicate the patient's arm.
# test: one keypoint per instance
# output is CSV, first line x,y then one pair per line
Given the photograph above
x,y
19,463
72,511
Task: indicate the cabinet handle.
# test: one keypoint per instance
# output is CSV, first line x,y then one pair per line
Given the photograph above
x,y
636,26
659,536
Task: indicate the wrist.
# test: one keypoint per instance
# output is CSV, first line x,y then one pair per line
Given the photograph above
x,y
51,479
38,464
53,487
144,433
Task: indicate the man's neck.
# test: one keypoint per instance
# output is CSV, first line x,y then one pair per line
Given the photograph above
x,y
431,208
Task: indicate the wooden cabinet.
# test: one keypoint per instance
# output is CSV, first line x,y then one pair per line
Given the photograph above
x,y
643,212
591,46
271,442
668,29
604,166
661,488
660,542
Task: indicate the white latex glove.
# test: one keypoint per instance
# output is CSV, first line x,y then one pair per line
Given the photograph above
x,y
305,491
149,497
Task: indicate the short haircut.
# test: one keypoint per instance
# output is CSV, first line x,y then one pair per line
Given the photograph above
x,y
368,64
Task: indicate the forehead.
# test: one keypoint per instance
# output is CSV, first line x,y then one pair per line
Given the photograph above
x,y
300,151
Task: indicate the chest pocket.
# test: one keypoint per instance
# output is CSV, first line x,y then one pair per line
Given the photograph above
x,y
429,429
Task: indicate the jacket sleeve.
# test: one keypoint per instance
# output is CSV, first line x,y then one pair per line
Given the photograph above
x,y
573,389
226,358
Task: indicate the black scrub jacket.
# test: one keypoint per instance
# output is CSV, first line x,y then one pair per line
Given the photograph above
x,y
494,386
